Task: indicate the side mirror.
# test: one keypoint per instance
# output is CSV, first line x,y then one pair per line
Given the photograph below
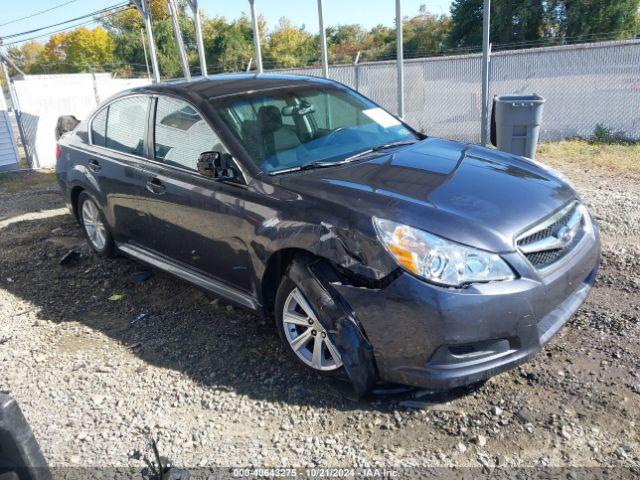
x,y
216,165
65,123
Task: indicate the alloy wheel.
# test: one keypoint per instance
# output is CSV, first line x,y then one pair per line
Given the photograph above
x,y
306,335
93,225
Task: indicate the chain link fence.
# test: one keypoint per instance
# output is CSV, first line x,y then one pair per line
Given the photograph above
x,y
585,85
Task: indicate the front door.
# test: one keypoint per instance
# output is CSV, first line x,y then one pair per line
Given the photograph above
x,y
195,220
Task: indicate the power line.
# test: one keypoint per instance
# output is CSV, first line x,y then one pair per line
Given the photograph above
x,y
37,13
70,27
97,12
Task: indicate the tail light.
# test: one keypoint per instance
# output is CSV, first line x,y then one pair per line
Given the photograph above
x,y
58,151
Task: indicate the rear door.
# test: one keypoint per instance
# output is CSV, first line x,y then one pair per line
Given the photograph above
x,y
194,219
116,161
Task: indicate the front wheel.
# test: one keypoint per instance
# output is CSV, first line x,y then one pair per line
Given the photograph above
x,y
301,331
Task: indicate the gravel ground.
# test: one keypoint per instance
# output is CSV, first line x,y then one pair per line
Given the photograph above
x,y
95,377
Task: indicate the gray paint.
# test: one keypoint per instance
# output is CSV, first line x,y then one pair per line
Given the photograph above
x,y
227,234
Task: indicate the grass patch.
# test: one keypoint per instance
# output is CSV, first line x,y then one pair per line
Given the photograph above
x,y
583,154
16,182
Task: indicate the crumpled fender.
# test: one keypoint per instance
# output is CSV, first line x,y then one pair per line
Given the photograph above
x,y
342,245
314,278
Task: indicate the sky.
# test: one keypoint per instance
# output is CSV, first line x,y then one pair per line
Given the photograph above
x,y
301,12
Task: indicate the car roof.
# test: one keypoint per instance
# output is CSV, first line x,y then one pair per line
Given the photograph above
x,y
231,84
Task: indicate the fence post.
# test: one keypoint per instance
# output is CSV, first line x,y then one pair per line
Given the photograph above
x,y
486,24
356,71
173,11
146,58
400,60
199,40
256,35
95,84
145,10
18,114
323,42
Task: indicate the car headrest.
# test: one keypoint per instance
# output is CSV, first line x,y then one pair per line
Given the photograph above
x,y
269,118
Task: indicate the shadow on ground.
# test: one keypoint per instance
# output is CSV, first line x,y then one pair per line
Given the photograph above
x,y
178,326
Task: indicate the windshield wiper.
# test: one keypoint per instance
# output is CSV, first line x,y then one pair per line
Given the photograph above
x,y
320,164
305,166
384,146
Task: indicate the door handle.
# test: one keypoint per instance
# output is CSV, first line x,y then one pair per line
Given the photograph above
x,y
94,165
156,186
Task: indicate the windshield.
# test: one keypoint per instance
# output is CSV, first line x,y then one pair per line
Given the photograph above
x,y
285,129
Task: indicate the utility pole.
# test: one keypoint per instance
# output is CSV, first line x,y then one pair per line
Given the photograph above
x,y
400,60
486,24
323,42
145,10
256,35
173,11
196,18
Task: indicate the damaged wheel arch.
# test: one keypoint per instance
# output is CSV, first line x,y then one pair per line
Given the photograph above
x,y
314,277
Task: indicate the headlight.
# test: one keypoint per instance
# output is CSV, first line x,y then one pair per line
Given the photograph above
x,y
438,260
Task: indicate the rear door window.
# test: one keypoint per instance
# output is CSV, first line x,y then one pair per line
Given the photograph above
x,y
99,128
126,121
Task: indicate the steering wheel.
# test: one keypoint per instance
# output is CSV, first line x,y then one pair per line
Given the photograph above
x,y
330,138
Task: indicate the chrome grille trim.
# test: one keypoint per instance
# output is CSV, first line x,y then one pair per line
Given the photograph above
x,y
551,240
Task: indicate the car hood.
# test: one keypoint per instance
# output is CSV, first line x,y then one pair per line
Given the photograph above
x,y
466,193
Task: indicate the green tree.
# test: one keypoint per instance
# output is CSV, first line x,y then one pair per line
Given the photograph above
x,y
511,21
545,21
383,43
27,56
291,46
88,49
425,33
345,41
125,27
229,45
579,19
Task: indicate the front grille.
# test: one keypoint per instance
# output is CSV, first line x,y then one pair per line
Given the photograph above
x,y
541,245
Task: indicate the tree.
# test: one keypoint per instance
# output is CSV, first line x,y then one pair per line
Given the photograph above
x,y
542,21
229,46
87,50
125,27
290,46
511,21
382,43
27,56
425,33
54,55
345,41
580,20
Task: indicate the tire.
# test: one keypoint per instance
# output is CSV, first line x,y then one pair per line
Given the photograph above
x,y
94,226
303,323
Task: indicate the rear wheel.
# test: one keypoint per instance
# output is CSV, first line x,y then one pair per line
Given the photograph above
x,y
302,332
95,228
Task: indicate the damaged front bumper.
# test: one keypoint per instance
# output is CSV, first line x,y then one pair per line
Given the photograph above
x,y
440,338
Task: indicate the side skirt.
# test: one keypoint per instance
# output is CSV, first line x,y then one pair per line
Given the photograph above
x,y
232,294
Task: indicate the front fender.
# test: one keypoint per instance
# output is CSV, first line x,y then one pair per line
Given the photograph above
x,y
315,279
343,246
